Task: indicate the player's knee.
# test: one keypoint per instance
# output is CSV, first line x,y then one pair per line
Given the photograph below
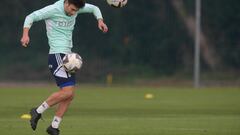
x,y
69,94
71,97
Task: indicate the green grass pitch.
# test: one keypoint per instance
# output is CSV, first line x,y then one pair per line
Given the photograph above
x,y
124,111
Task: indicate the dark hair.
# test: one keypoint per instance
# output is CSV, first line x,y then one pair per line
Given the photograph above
x,y
77,3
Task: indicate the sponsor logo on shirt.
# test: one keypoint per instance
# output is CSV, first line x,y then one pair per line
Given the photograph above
x,y
65,23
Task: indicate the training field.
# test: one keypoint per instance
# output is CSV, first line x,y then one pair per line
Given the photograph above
x,y
99,110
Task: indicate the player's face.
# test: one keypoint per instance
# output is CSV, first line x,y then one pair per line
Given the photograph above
x,y
70,9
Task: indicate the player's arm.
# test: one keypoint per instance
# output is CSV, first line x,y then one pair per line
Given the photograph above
x,y
89,8
38,15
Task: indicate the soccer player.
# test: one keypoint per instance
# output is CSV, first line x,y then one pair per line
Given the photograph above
x,y
60,19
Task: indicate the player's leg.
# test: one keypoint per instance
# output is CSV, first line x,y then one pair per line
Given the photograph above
x,y
63,106
61,109
64,94
55,98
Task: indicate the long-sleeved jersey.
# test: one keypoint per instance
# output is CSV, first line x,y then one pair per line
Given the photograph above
x,y
59,25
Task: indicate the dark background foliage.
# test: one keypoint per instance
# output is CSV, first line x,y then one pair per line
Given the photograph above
x,y
147,37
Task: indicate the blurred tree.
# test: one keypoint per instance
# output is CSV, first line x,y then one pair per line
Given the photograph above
x,y
208,52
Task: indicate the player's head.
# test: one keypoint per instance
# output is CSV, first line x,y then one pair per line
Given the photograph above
x,y
72,6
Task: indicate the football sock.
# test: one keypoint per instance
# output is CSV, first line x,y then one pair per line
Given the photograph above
x,y
43,107
56,121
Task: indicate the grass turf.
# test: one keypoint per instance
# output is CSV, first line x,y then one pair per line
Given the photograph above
x,y
124,111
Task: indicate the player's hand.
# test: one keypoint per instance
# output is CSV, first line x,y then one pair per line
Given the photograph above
x,y
25,41
102,26
25,38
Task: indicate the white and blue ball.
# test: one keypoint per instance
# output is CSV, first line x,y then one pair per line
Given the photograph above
x,y
117,3
72,62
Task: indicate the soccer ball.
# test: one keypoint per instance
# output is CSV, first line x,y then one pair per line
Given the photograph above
x,y
72,62
117,3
